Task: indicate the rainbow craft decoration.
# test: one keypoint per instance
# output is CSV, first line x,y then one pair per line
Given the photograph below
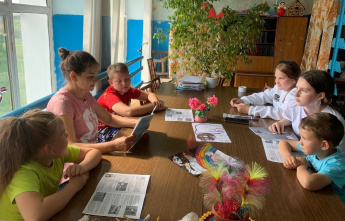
x,y
204,156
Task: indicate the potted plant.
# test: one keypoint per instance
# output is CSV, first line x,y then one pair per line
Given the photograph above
x,y
234,189
206,42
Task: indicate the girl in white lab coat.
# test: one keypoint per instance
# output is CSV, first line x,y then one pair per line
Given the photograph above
x,y
286,75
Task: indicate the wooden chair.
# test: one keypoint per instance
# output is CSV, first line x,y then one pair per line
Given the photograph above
x,y
161,64
151,68
220,80
155,80
147,88
156,83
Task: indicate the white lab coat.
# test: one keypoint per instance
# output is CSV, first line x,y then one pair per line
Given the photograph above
x,y
269,96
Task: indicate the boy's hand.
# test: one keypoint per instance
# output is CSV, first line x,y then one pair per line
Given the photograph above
x,y
123,143
161,108
74,170
235,101
243,108
159,104
291,162
302,161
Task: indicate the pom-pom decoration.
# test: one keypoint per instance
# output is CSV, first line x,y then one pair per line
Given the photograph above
x,y
233,188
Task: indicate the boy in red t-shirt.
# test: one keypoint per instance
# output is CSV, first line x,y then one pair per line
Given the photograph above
x,y
117,97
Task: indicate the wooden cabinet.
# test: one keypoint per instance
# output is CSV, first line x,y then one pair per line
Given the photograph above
x,y
253,80
282,38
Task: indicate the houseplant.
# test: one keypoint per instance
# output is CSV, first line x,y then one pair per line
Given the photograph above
x,y
205,42
234,189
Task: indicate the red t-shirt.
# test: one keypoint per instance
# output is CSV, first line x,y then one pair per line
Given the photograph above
x,y
112,96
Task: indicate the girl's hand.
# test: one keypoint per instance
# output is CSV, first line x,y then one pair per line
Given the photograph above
x,y
291,162
243,108
123,143
78,182
74,170
235,101
277,128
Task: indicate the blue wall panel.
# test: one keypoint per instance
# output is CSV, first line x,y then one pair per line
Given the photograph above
x,y
134,41
67,33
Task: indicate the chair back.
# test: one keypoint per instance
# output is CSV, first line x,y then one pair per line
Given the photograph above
x,y
151,68
164,66
156,82
220,80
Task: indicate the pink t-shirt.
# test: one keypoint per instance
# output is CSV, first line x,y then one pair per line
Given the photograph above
x,y
83,113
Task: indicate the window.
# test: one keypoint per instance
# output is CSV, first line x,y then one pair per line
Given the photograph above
x,y
25,56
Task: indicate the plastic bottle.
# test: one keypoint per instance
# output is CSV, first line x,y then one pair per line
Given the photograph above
x,y
173,80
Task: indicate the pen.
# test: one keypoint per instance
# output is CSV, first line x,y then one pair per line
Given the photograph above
x,y
117,219
154,109
126,217
145,219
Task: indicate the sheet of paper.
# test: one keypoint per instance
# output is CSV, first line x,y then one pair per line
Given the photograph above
x,y
210,133
272,151
190,79
266,134
117,195
185,115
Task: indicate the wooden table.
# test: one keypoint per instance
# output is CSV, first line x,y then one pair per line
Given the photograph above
x,y
172,192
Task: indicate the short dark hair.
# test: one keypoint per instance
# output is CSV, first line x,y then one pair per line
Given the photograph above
x,y
117,68
325,126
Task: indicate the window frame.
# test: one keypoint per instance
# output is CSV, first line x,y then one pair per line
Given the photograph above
x,y
7,9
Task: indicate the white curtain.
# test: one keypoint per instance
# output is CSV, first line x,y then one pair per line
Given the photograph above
x,y
92,39
118,31
147,38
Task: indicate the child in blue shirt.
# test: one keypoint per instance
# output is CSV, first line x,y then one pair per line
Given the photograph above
x,y
324,164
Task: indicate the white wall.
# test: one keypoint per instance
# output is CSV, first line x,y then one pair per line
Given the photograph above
x,y
68,7
135,9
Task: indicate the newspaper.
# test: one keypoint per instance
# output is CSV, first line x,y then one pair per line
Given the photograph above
x,y
117,195
266,134
185,115
271,148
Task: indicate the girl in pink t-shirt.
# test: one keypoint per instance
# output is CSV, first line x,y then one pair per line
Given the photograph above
x,y
79,110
